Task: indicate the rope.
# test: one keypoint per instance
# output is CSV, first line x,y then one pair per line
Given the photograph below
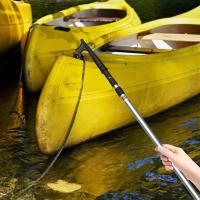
x,y
23,191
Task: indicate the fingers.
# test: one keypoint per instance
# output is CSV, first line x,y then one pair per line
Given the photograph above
x,y
169,168
165,155
165,152
166,162
169,154
164,158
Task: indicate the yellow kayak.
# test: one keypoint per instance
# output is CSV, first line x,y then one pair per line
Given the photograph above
x,y
15,20
158,67
94,22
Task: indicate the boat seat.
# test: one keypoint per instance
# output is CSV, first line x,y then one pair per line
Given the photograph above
x,y
171,37
91,19
133,49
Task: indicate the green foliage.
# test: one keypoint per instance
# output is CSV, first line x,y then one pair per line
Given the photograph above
x,y
154,9
41,8
147,9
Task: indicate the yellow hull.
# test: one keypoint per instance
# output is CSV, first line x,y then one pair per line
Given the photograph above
x,y
46,44
153,82
15,20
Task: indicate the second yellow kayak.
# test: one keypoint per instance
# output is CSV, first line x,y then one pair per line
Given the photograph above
x,y
153,82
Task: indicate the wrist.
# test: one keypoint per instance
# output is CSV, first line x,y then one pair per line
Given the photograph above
x,y
193,172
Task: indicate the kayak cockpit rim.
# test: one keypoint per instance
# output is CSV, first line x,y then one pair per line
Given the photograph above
x,y
157,40
89,17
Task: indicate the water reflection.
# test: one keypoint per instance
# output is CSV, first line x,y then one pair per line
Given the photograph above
x,y
123,196
140,163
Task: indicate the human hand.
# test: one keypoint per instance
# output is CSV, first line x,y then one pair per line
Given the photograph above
x,y
171,154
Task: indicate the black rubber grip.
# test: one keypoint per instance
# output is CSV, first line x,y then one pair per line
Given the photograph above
x,y
119,91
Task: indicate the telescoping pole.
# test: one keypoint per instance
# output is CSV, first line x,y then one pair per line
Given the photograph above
x,y
133,110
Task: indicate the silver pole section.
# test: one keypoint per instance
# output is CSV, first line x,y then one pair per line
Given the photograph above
x,y
156,142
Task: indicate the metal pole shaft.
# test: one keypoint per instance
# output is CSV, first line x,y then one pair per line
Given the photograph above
x,y
151,135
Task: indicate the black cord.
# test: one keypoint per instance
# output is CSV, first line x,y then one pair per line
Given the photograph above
x,y
23,191
20,81
14,108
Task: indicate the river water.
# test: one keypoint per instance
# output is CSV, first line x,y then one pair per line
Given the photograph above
x,y
121,165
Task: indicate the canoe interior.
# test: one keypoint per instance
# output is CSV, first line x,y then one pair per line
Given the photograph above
x,y
90,17
156,40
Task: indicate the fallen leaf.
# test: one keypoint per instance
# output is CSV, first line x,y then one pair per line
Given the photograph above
x,y
64,186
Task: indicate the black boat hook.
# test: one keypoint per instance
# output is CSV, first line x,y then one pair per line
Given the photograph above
x,y
136,115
